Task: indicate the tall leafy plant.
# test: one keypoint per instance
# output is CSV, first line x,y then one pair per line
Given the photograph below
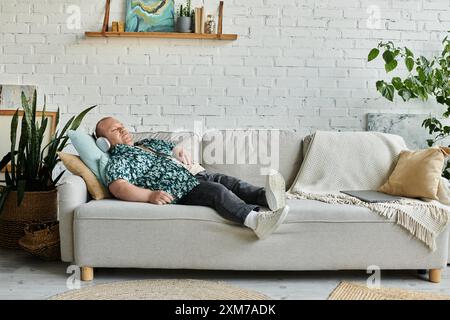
x,y
32,162
426,78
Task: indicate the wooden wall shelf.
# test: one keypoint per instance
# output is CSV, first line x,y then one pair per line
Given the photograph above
x,y
167,35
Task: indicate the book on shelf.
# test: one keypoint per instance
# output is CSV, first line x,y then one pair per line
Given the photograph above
x,y
196,15
199,20
202,20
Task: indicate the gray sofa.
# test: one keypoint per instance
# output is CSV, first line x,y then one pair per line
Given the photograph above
x,y
315,236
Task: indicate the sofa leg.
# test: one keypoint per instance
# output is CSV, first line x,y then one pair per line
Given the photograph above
x,y
435,275
87,273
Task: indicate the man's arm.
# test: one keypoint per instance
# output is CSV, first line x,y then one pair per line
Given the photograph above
x,y
124,190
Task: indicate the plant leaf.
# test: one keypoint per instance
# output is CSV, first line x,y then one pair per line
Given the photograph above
x,y
57,118
20,191
388,56
5,160
390,66
66,126
409,62
397,83
373,54
388,92
380,84
33,106
4,191
76,123
8,180
409,52
58,177
405,94
13,135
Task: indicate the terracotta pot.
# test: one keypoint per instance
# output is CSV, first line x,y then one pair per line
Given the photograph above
x,y
37,206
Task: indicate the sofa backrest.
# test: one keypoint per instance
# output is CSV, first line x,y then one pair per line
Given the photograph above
x,y
250,154
245,154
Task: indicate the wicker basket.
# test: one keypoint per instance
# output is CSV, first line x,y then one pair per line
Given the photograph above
x,y
42,240
36,206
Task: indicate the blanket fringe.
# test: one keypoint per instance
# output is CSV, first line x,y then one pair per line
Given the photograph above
x,y
392,210
417,229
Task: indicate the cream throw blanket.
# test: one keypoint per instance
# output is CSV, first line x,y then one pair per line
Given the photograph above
x,y
336,161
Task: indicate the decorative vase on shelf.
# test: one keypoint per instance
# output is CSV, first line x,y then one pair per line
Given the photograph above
x,y
184,24
210,25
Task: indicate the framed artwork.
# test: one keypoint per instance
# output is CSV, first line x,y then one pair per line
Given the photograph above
x,y
150,16
10,95
5,126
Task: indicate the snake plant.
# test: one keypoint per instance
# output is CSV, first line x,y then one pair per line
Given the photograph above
x,y
32,162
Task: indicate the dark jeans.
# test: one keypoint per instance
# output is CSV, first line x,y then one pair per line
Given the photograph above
x,y
232,198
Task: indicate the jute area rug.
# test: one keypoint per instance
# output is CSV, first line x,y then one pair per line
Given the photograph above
x,y
173,289
355,291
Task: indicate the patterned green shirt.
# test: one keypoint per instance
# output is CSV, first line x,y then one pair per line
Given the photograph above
x,y
147,170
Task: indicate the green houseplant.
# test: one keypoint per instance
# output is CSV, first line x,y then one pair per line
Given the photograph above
x,y
30,191
425,79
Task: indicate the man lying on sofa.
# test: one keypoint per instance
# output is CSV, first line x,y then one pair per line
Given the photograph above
x,y
157,172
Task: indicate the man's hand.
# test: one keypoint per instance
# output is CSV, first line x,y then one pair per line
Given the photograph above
x,y
182,156
124,190
159,197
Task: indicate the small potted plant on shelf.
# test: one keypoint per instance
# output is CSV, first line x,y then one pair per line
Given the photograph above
x,y
30,194
184,18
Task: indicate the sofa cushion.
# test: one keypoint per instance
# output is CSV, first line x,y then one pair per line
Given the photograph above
x,y
315,236
94,158
300,211
188,140
74,164
249,154
417,174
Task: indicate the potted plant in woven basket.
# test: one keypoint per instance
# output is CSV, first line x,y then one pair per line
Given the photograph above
x,y
30,193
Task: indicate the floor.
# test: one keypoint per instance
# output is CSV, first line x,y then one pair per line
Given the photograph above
x,y
24,277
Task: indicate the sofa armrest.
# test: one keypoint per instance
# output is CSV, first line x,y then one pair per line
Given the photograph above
x,y
72,192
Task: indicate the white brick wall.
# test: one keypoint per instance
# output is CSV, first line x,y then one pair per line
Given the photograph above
x,y
297,64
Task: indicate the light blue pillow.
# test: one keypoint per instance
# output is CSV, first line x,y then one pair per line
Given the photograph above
x,y
94,158
102,162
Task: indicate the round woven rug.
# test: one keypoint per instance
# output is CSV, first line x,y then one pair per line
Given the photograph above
x,y
356,291
173,289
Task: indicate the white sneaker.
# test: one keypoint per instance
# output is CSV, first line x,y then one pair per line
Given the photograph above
x,y
269,221
275,191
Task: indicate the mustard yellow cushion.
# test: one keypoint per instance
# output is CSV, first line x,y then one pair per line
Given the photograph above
x,y
417,173
74,164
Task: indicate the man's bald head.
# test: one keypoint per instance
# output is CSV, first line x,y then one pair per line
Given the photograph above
x,y
99,128
113,130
